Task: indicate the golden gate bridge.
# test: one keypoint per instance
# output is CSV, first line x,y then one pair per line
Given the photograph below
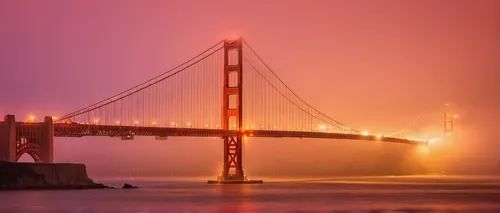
x,y
226,91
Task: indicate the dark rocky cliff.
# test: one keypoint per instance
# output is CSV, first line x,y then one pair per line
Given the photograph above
x,y
45,176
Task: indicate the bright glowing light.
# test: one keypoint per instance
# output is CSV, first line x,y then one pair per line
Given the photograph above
x,y
117,122
217,126
54,118
433,140
31,119
154,123
188,124
455,116
136,122
365,133
173,123
379,136
206,125
274,127
245,137
234,126
262,127
322,127
96,121
253,127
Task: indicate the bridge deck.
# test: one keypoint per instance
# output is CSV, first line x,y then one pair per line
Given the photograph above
x,y
80,130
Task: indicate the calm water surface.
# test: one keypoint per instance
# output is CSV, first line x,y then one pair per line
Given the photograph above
x,y
355,194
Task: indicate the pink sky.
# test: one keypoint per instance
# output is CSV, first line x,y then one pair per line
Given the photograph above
x,y
371,64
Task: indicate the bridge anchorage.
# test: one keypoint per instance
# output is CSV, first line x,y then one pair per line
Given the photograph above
x,y
18,138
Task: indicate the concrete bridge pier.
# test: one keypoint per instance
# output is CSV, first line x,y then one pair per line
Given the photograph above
x,y
8,139
47,141
18,138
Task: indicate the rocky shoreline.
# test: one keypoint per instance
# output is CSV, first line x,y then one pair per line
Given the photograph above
x,y
40,176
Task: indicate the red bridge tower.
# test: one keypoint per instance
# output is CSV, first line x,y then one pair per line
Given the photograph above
x,y
232,114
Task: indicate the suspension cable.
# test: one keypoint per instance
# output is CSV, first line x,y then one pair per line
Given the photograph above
x,y
77,112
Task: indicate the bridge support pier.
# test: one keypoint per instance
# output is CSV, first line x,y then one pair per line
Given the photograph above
x,y
232,114
8,139
47,141
233,159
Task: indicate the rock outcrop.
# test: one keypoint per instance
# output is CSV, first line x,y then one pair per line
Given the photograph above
x,y
129,186
45,176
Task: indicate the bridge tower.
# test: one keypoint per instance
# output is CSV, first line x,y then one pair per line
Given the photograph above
x,y
448,120
232,109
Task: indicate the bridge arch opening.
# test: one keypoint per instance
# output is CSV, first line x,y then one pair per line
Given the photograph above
x,y
26,158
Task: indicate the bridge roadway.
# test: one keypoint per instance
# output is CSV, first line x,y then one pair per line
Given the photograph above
x,y
128,132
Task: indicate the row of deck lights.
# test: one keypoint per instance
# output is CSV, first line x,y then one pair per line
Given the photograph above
x,y
31,119
321,128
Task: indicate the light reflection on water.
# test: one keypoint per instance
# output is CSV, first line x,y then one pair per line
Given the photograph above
x,y
357,194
